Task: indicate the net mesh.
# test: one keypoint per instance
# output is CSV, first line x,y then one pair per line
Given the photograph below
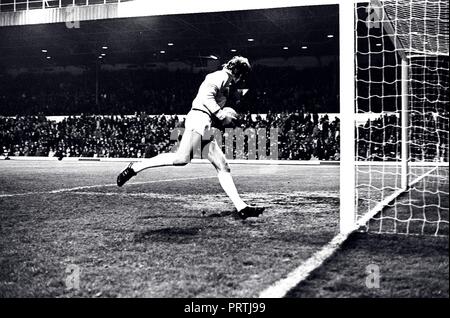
x,y
415,34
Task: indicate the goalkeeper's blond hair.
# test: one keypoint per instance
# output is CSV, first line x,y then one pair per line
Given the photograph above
x,y
238,65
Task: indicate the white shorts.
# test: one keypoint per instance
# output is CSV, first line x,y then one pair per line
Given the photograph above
x,y
197,121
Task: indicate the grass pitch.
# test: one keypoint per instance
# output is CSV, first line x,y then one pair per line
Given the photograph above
x,y
172,232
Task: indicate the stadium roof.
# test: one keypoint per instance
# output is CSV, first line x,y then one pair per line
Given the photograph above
x,y
281,32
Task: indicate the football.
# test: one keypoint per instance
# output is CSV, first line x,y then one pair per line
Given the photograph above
x,y
230,111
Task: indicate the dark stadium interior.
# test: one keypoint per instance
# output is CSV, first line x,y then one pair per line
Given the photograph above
x,y
139,40
294,53
294,56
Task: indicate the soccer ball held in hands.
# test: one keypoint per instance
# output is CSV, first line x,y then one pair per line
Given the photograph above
x,y
231,115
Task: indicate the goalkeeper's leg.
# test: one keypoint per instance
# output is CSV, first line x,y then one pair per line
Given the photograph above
x,y
181,157
219,161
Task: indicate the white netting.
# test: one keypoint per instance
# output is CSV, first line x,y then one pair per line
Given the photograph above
x,y
421,26
415,33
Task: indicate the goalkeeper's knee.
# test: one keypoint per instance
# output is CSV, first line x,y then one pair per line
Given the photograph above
x,y
181,160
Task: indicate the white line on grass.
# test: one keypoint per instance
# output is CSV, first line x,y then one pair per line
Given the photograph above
x,y
129,183
249,196
282,287
152,195
101,186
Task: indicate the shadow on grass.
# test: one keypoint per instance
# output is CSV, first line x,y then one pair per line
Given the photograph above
x,y
168,234
201,214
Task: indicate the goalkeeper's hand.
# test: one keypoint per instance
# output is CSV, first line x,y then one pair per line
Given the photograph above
x,y
226,117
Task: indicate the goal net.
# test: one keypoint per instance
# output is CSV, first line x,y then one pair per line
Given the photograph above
x,y
402,99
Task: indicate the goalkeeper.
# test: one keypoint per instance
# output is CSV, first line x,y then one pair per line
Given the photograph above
x,y
208,103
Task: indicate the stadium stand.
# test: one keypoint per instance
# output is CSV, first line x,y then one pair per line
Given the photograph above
x,y
90,130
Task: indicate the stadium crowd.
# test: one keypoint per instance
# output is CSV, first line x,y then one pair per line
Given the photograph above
x,y
379,139
290,99
300,136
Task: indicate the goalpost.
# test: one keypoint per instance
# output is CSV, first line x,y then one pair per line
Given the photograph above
x,y
394,177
